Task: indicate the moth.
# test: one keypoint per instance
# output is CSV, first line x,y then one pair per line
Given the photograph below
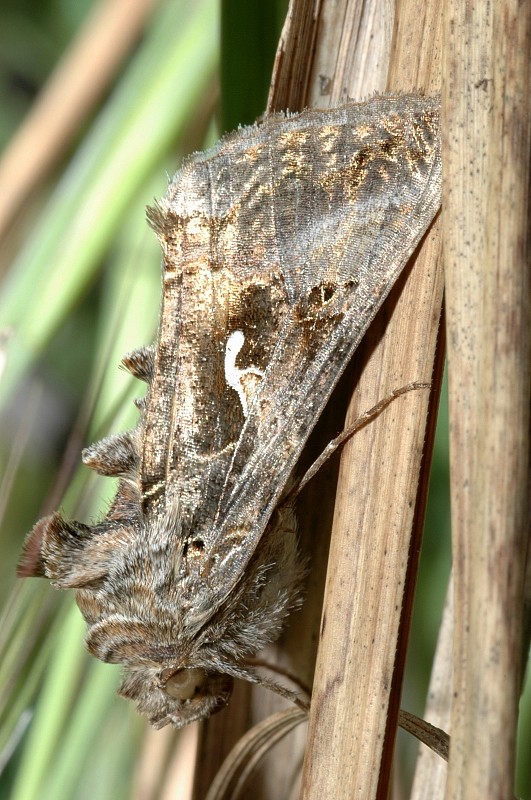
x,y
279,245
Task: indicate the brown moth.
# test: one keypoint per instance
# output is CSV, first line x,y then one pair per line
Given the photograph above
x,y
280,244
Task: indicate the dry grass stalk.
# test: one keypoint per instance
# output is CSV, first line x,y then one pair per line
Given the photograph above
x,y
232,778
345,51
372,560
431,771
486,107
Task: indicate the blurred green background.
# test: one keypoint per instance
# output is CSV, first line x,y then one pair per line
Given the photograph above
x,y
80,286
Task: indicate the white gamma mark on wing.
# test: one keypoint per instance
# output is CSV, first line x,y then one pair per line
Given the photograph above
x,y
234,375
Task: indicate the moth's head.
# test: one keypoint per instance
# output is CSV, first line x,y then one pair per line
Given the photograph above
x,y
176,696
171,681
128,623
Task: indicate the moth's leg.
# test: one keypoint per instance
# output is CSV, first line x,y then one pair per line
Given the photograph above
x,y
336,444
278,670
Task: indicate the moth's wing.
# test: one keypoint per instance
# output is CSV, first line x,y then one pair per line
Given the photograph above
x,y
289,235
352,198
216,283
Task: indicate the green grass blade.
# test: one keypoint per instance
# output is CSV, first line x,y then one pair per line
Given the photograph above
x,y
148,108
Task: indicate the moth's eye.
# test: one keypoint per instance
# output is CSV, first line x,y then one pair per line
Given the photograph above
x,y
185,683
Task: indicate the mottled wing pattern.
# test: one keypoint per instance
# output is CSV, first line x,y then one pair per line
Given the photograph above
x,y
330,213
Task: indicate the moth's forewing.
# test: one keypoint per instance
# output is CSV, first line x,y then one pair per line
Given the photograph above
x,y
293,233
280,245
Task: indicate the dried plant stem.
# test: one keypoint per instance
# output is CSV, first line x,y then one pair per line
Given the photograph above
x,y
486,107
372,562
430,772
231,779
345,48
